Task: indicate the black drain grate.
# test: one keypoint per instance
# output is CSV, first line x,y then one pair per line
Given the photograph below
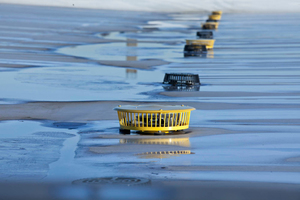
x,y
212,20
181,79
128,181
205,34
209,26
194,50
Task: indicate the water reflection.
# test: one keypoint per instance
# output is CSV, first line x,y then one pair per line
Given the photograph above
x,y
131,52
162,153
149,34
198,55
131,42
183,142
159,45
131,73
131,56
209,54
119,51
185,88
105,34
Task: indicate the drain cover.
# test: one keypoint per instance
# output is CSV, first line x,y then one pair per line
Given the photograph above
x,y
129,181
69,125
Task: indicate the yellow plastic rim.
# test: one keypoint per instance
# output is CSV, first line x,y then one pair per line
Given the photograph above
x,y
217,12
208,43
211,25
214,17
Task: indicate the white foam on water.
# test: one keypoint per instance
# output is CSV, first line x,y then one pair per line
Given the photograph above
x,y
228,6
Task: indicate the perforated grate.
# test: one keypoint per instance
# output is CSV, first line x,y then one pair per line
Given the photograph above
x,y
181,79
205,34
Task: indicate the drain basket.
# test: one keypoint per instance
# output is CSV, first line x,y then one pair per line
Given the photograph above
x,y
205,34
209,43
217,12
153,118
210,25
214,17
181,79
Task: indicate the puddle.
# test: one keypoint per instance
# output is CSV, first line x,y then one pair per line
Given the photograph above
x,y
271,177
131,146
122,156
145,148
247,58
245,44
123,52
149,36
68,125
79,83
17,129
218,150
243,61
59,169
28,149
165,43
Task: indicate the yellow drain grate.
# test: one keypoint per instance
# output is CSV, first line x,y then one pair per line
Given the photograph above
x,y
154,118
209,43
214,17
217,12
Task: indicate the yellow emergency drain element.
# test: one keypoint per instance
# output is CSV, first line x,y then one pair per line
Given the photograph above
x,y
214,17
209,43
210,25
183,142
153,118
217,12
